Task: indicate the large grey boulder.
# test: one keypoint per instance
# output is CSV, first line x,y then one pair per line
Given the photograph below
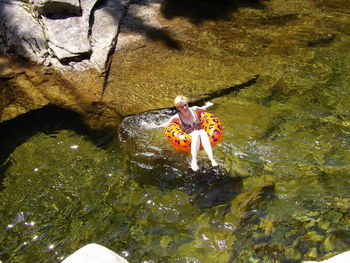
x,y
86,41
68,36
20,33
94,253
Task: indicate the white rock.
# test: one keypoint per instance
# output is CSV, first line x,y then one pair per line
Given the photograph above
x,y
341,258
94,253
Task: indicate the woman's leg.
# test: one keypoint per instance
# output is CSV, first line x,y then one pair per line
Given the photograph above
x,y
207,146
195,145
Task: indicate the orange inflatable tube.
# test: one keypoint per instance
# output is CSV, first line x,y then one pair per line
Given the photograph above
x,y
209,122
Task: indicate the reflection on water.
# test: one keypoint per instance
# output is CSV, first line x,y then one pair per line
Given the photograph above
x,y
137,196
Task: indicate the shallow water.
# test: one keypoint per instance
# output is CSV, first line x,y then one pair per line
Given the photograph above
x,y
136,195
63,187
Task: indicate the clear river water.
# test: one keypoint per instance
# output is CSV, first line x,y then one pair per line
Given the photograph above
x,y
63,187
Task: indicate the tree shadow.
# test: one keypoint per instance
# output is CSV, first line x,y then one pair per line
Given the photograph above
x,y
150,32
197,11
223,92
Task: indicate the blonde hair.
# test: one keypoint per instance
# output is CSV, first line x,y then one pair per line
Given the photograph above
x,y
179,99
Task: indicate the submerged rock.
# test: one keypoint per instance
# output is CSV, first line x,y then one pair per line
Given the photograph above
x,y
310,239
270,252
241,203
28,87
277,251
337,241
312,253
6,70
214,187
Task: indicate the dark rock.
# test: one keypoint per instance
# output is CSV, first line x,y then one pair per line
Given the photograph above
x,y
278,252
243,202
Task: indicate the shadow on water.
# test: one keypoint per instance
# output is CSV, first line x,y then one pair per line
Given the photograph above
x,y
206,188
47,120
197,11
223,92
153,33
212,187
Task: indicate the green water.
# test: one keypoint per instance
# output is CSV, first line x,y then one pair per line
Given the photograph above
x,y
135,194
63,187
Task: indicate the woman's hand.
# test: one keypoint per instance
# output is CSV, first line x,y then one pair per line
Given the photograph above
x,y
208,104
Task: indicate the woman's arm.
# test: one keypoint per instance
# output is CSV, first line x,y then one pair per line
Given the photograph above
x,y
174,118
203,108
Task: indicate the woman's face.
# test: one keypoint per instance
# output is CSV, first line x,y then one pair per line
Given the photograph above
x,y
183,106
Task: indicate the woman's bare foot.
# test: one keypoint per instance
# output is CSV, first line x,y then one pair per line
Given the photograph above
x,y
214,163
194,166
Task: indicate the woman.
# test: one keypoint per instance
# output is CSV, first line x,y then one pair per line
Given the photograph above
x,y
188,119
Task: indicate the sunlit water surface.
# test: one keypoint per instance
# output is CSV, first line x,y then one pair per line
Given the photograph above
x,y
137,196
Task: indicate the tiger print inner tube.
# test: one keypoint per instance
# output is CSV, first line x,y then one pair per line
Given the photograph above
x,y
209,122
